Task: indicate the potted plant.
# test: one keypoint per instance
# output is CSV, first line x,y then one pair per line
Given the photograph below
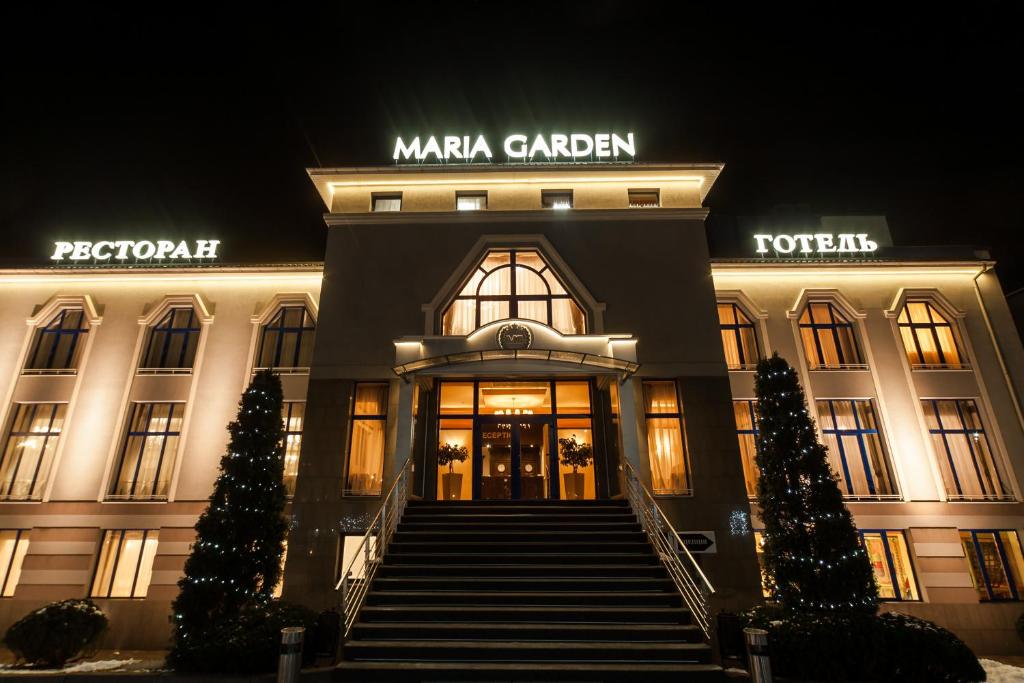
x,y
451,481
575,454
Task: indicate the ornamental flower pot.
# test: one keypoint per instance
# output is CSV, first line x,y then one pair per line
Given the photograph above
x,y
574,485
451,483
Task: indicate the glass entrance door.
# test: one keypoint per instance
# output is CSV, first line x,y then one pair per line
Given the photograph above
x,y
515,459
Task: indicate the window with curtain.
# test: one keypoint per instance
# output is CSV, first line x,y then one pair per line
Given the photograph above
x,y
13,546
29,448
59,344
387,202
759,552
739,337
172,342
666,441
928,337
279,588
513,283
293,413
125,565
366,446
828,338
286,341
745,412
994,558
150,447
962,449
855,447
471,201
890,561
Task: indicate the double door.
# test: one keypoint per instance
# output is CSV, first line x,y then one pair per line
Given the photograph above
x,y
516,458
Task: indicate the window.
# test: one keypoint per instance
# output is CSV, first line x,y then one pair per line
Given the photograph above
x,y
994,558
366,444
58,345
125,566
745,412
286,341
293,413
759,552
28,450
855,447
665,441
556,199
965,458
644,199
928,337
279,588
471,201
513,283
387,202
887,553
828,338
172,341
150,446
13,546
739,337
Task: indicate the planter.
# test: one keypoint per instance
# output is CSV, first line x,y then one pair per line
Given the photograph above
x,y
451,483
574,486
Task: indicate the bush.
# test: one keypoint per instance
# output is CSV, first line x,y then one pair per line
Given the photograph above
x,y
247,644
54,634
889,647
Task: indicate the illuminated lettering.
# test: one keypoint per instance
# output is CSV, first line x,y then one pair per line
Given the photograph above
x,y
141,250
818,243
554,147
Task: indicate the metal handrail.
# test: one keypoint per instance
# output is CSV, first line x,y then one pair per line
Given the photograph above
x,y
684,571
356,578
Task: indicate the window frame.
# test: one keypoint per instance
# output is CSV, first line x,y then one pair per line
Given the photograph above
x,y
819,363
308,326
933,403
859,431
347,491
630,192
735,329
375,196
471,193
548,198
161,463
117,560
286,407
21,536
891,563
931,327
10,434
195,326
678,415
755,432
1004,560
73,354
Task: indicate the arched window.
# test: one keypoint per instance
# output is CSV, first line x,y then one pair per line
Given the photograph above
x,y
829,341
928,337
739,337
286,340
172,342
513,283
58,345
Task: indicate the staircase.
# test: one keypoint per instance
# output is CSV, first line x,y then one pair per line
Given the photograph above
x,y
523,591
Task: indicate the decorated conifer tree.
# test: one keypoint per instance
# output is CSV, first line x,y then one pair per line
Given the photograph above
x,y
235,561
812,557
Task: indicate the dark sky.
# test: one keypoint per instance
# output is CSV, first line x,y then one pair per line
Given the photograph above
x,y
187,123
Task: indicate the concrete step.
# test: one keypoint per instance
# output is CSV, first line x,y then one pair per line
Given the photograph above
x,y
599,672
599,614
519,584
523,598
524,632
551,651
524,558
519,570
501,544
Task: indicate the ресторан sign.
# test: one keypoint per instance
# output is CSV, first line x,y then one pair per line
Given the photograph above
x,y
142,250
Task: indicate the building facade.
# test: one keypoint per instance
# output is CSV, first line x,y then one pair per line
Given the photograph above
x,y
505,314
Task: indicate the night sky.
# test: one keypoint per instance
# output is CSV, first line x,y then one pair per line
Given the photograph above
x,y
188,125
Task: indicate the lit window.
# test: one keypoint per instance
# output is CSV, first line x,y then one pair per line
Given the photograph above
x,y
828,338
556,199
353,552
890,561
293,413
387,202
28,449
739,337
855,447
644,199
513,283
928,337
150,448
13,546
126,564
366,445
965,458
994,557
759,551
665,441
59,344
745,412
279,588
467,201
286,341
172,341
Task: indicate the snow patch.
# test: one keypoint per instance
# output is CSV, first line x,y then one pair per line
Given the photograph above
x,y
997,672
80,667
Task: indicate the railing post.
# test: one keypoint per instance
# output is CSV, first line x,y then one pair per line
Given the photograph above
x,y
290,661
757,655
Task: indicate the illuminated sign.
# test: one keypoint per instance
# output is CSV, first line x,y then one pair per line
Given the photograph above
x,y
816,243
517,147
143,250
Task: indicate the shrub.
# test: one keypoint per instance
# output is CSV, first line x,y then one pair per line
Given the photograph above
x,y
56,633
889,647
247,644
